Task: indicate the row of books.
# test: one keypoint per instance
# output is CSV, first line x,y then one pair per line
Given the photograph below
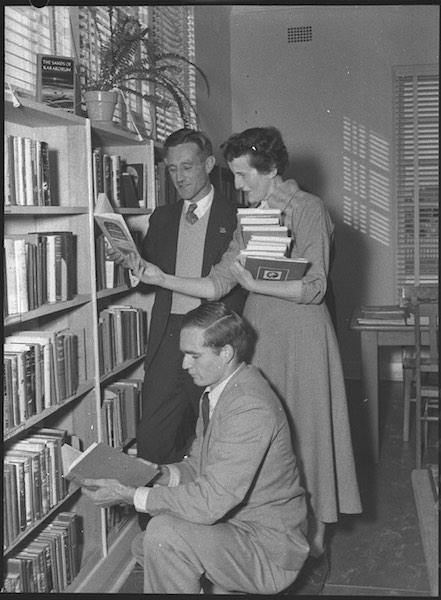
x,y
122,335
267,245
40,268
125,185
27,172
109,274
121,411
41,369
33,480
49,563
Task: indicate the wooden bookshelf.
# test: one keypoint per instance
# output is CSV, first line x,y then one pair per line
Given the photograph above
x,y
70,140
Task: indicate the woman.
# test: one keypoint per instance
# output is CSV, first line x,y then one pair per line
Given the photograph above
x,y
296,346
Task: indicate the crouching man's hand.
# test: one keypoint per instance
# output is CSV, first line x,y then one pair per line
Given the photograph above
x,y
107,492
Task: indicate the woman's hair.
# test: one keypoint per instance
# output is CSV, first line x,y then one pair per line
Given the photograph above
x,y
221,326
263,146
187,136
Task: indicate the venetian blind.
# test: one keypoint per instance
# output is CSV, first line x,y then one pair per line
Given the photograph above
x,y
28,31
173,30
417,182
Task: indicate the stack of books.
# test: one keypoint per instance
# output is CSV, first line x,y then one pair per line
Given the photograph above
x,y
384,315
267,245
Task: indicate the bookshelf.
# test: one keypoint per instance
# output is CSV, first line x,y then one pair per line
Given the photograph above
x,y
102,542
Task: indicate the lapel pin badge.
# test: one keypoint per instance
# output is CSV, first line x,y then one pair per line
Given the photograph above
x,y
222,230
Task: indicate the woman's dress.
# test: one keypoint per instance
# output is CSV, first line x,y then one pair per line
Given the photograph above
x,y
297,351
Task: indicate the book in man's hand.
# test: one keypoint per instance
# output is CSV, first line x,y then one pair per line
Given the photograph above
x,y
275,268
101,461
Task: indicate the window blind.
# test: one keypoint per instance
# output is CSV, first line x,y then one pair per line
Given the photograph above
x,y
28,31
77,31
173,30
417,181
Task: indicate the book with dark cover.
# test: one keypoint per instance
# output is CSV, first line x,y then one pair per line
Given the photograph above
x,y
100,461
276,269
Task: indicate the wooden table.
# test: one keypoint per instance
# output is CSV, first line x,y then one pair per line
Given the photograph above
x,y
372,337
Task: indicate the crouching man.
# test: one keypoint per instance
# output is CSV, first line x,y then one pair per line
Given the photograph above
x,y
233,509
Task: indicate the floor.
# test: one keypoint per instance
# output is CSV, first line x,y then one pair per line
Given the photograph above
x,y
380,552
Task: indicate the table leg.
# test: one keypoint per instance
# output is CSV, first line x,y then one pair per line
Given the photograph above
x,y
369,380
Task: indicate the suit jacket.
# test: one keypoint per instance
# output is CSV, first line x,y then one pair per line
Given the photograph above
x,y
243,471
160,247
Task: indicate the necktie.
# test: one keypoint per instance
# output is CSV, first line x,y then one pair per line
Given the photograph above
x,y
205,407
190,216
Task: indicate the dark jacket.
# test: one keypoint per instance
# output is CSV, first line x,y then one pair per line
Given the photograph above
x,y
160,247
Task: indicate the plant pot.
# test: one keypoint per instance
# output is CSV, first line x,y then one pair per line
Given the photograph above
x,y
100,105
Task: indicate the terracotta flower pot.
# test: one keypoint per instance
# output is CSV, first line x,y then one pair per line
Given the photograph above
x,y
100,105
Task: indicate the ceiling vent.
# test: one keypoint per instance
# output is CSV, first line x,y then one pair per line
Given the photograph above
x,y
297,35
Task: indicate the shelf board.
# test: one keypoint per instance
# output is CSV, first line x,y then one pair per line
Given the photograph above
x,y
112,291
111,133
28,531
36,114
45,211
121,367
47,309
83,388
133,211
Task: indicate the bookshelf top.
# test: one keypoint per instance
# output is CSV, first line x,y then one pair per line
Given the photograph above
x,y
36,114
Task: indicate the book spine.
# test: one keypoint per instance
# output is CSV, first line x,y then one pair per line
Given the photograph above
x,y
45,174
19,170
116,179
11,278
21,275
28,172
61,367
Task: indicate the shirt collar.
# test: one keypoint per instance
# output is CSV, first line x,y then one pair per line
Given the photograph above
x,y
215,392
202,205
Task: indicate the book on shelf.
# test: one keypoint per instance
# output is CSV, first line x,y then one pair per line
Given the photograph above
x,y
27,176
114,228
56,81
101,461
139,175
276,268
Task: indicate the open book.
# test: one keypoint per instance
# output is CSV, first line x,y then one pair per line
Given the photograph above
x,y
100,461
114,228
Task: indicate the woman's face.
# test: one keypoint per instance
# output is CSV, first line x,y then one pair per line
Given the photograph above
x,y
248,179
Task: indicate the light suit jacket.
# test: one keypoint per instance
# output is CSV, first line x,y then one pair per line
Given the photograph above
x,y
243,471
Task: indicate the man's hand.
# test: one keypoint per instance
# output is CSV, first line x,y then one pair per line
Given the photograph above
x,y
147,272
107,492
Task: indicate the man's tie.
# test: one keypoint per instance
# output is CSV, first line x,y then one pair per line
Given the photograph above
x,y
205,410
189,215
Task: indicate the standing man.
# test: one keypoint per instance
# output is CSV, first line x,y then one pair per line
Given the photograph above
x,y
232,510
186,239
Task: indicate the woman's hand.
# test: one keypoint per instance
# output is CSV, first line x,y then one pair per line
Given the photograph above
x,y
145,271
107,492
242,275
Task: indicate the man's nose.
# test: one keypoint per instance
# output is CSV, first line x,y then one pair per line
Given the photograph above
x,y
186,363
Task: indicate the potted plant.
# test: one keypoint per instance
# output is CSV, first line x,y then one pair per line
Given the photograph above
x,y
128,56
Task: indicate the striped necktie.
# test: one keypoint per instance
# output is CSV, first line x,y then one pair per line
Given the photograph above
x,y
190,215
205,409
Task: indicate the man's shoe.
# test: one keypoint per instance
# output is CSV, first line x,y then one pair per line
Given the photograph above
x,y
312,577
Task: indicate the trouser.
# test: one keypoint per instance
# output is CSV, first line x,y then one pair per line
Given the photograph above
x,y
176,553
170,402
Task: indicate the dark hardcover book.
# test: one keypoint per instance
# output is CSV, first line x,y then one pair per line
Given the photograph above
x,y
56,81
138,171
129,192
45,175
101,461
97,168
276,269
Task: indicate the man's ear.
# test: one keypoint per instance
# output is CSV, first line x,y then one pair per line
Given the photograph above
x,y
228,352
210,161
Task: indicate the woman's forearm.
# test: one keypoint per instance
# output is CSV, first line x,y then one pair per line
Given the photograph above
x,y
199,287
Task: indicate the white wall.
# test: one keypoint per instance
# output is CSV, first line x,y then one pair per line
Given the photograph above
x,y
332,100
